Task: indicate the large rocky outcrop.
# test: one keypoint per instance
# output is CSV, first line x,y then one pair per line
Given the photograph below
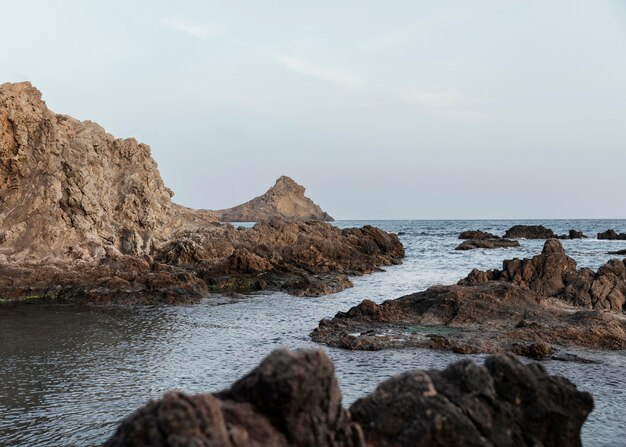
x,y
86,216
285,200
532,307
293,399
612,235
64,182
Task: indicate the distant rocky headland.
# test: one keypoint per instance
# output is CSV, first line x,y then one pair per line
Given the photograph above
x,y
293,399
85,216
285,200
533,307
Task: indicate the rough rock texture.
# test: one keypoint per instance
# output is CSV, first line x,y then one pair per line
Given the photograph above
x,y
285,200
532,307
529,232
612,235
472,244
477,234
292,398
86,216
503,403
573,234
65,182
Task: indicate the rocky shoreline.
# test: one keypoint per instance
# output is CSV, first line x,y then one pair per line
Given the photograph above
x,y
86,217
533,307
293,399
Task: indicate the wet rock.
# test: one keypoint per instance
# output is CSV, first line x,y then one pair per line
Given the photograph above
x,y
529,232
612,235
472,244
530,307
477,234
285,200
292,398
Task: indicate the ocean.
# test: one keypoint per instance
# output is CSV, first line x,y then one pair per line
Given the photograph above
x,y
69,374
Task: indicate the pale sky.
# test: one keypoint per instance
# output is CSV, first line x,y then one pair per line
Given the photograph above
x,y
382,109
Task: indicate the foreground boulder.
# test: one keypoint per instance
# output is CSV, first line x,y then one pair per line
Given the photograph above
x,y
85,216
293,399
533,307
285,200
472,244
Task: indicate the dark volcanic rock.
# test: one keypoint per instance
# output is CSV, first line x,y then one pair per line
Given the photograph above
x,y
503,403
472,244
477,234
573,234
529,232
532,307
618,252
612,235
293,399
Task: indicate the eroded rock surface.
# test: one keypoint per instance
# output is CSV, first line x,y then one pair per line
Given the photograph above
x,y
529,232
86,216
533,307
477,234
612,235
293,399
285,200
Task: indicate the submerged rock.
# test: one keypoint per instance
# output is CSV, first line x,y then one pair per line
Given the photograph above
x,y
532,307
293,399
472,244
285,200
85,216
618,252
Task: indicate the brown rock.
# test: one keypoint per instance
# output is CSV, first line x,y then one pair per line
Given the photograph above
x,y
612,235
529,232
531,307
285,200
477,234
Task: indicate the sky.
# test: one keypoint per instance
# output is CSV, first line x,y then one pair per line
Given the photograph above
x,y
382,110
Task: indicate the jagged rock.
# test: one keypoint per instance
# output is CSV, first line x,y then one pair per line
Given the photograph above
x,y
472,244
292,398
529,232
477,234
612,235
284,200
85,216
64,181
531,306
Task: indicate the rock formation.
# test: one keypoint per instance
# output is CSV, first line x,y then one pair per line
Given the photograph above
x,y
617,252
532,307
285,200
86,216
472,244
529,232
477,234
293,399
612,235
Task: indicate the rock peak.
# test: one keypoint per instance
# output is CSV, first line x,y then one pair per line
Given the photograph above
x,y
285,200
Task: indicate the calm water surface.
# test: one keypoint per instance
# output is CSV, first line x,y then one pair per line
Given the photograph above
x,y
68,374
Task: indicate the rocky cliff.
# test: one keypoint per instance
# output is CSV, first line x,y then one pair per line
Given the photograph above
x,y
86,216
64,182
293,399
285,200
